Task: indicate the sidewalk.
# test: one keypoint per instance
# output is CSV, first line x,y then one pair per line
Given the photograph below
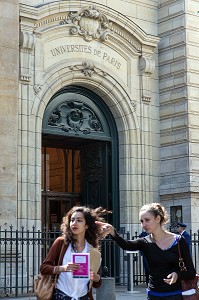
x,y
138,293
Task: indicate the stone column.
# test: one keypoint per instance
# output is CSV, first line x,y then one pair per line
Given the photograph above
x,y
147,67
9,53
27,184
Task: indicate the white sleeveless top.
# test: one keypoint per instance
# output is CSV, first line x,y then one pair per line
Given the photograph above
x,y
73,287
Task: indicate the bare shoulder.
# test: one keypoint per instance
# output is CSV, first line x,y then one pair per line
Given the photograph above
x,y
171,236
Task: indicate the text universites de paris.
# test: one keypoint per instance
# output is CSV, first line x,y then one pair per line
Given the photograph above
x,y
85,49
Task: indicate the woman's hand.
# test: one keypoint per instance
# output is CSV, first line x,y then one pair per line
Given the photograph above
x,y
94,276
171,278
106,228
69,267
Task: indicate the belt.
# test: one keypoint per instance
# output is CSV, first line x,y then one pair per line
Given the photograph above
x,y
59,295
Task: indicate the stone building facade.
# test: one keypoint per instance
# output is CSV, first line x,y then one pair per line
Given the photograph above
x,y
126,69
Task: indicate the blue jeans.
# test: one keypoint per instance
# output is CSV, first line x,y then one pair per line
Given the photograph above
x,y
59,295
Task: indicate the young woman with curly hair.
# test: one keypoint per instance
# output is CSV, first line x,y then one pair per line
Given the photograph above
x,y
80,233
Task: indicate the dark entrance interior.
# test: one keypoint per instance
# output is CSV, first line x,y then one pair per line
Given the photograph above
x,y
79,155
74,172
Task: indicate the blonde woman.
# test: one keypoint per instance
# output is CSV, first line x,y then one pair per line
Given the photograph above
x,y
161,251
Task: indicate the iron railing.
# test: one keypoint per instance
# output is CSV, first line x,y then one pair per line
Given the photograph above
x,y
22,251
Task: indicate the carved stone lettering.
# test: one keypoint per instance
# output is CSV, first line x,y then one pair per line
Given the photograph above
x,y
103,55
74,51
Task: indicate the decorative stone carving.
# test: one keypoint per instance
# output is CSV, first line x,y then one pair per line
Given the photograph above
x,y
89,23
147,66
37,88
26,42
134,104
75,116
88,68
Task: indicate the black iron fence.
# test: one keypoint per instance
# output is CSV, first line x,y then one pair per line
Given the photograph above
x,y
22,251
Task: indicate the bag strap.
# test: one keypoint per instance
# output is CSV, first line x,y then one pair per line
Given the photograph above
x,y
181,261
59,262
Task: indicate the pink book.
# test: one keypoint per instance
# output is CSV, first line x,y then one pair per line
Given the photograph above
x,y
83,259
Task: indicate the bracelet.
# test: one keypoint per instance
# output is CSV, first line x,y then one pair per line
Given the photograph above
x,y
56,270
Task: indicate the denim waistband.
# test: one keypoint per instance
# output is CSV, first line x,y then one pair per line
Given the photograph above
x,y
59,295
152,293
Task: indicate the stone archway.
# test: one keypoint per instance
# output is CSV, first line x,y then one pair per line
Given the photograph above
x,y
59,61
80,119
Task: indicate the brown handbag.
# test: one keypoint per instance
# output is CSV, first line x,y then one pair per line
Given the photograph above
x,y
189,286
44,284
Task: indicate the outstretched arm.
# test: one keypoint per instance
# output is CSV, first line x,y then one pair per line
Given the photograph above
x,y
130,245
106,228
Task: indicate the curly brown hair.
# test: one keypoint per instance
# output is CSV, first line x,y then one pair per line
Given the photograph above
x,y
93,233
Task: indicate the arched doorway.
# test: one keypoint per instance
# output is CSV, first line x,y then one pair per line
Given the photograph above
x,y
79,155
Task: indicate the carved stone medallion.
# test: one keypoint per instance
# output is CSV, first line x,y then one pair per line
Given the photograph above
x,y
89,23
88,69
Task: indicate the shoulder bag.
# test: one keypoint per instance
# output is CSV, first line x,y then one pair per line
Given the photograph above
x,y
44,284
190,288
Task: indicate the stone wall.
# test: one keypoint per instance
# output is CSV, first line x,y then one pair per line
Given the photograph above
x,y
178,70
9,53
192,62
130,91
143,13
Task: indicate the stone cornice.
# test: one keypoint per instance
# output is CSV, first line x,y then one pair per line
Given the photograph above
x,y
27,11
49,15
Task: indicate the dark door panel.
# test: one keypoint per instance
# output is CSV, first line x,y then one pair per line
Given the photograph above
x,y
96,175
55,206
